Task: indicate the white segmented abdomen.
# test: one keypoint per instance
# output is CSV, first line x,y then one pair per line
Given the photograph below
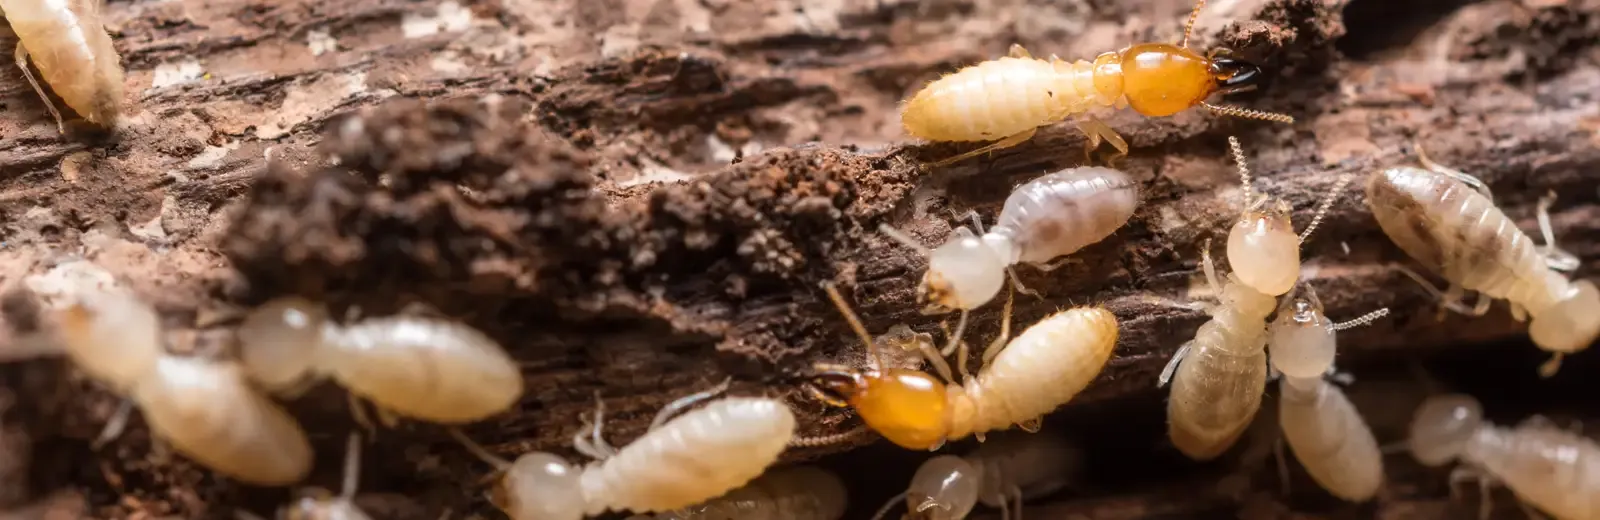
x,y
999,98
693,458
1461,235
1062,212
439,371
1217,388
210,413
1330,439
1552,469
793,493
1038,371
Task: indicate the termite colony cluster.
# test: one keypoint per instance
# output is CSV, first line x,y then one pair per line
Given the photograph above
x,y
219,411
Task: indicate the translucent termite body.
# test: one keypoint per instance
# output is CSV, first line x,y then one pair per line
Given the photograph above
x,y
1038,371
793,493
435,370
1001,473
688,460
68,43
1457,232
1321,426
1546,466
206,409
1263,248
319,506
1010,97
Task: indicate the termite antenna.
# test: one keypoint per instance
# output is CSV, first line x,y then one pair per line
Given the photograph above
x,y
855,324
1466,178
352,466
675,407
1365,319
1246,113
1244,168
903,239
477,450
826,440
889,506
1188,27
1325,205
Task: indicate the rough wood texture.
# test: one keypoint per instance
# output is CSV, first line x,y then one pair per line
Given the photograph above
x,y
590,219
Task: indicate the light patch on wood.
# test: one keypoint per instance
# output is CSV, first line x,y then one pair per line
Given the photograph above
x,y
1343,135
71,282
155,230
304,102
448,17
651,172
212,156
72,165
176,73
321,42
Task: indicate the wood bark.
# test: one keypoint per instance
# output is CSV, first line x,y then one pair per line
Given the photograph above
x,y
640,198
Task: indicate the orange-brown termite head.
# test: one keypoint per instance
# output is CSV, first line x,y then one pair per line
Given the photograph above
x,y
908,407
1162,79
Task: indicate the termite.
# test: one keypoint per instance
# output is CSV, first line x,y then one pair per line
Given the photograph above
x,y
694,457
206,409
437,370
792,493
1011,97
1001,473
68,43
1546,466
1437,216
320,506
1322,428
1218,377
1038,371
1046,218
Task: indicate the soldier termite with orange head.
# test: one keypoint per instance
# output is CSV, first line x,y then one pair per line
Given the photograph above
x,y
1046,218
431,369
1546,466
206,409
1001,473
1446,221
692,458
1323,429
68,43
792,493
1009,98
1038,371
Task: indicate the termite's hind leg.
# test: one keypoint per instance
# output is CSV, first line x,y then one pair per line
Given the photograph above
x,y
1002,144
22,63
1097,130
1450,299
1554,257
114,426
1172,366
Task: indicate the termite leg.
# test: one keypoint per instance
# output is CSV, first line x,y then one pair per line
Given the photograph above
x,y
1005,508
1465,178
1343,378
1449,300
115,425
938,362
1018,52
1097,130
359,413
1172,365
1283,465
1008,142
893,501
1518,312
1016,493
1005,330
352,466
961,347
596,446
1485,482
683,403
1549,368
1031,425
1055,264
1554,257
22,63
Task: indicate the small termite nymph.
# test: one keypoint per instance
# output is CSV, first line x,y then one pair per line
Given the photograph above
x,y
1445,220
1044,219
1002,473
692,458
1545,466
1322,428
436,370
1038,371
68,43
1263,249
1010,98
206,409
792,493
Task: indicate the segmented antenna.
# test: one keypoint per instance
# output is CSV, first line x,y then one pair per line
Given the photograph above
x,y
1361,321
1244,169
1188,27
1249,114
1327,202
826,440
855,324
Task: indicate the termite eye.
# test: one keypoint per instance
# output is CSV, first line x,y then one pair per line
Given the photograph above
x,y
1234,75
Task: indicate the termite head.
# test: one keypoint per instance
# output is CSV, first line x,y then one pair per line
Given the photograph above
x,y
1161,79
1572,324
1263,248
278,341
1442,427
112,336
962,274
1302,339
944,488
908,407
540,485
1231,74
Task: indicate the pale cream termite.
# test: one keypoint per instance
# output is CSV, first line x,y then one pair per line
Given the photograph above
x,y
206,409
1046,218
791,493
319,506
690,459
1455,230
68,43
1001,473
1547,467
1011,97
1039,370
1263,249
436,370
1324,431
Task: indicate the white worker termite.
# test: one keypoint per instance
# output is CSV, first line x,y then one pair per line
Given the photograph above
x,y
1447,221
206,409
687,460
67,41
1546,466
436,370
1322,428
1044,219
1263,249
791,493
1039,370
1002,472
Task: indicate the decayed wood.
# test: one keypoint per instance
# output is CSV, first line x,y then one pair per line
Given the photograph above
x,y
604,237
